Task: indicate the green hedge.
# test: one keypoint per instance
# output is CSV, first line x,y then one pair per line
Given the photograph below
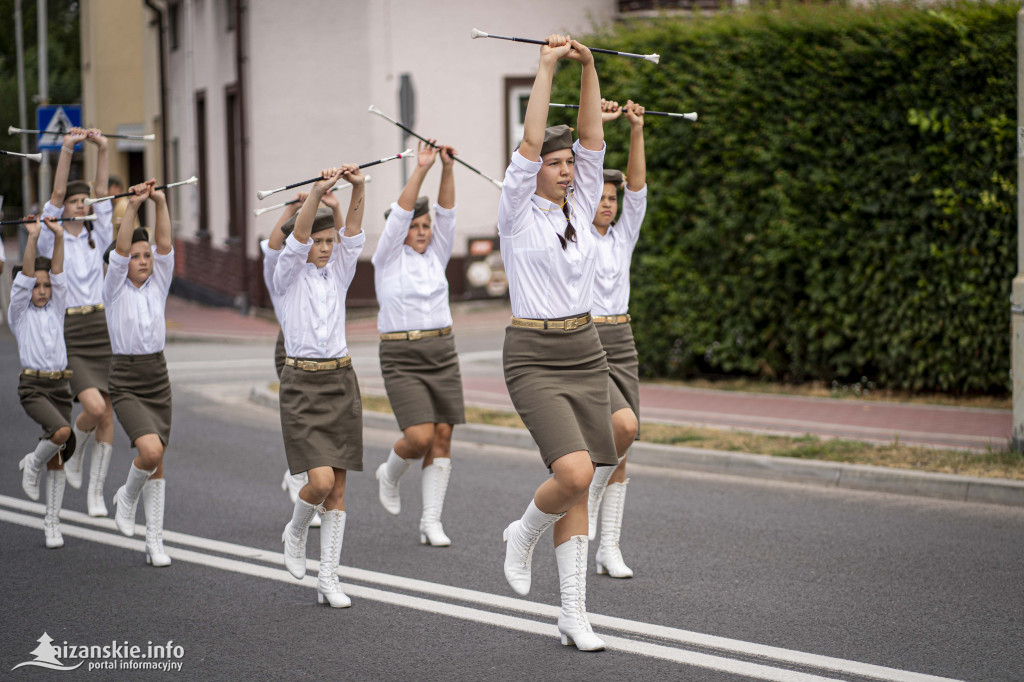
x,y
844,207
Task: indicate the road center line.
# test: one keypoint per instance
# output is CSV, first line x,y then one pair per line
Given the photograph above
x,y
729,646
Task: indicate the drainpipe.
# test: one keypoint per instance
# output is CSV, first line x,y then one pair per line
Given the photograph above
x,y
158,18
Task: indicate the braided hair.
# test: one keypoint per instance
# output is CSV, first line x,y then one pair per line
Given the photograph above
x,y
570,231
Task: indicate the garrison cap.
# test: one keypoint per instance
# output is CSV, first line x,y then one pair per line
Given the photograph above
x,y
556,138
421,207
76,187
324,220
614,176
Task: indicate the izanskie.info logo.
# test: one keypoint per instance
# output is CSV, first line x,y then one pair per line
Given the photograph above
x,y
113,656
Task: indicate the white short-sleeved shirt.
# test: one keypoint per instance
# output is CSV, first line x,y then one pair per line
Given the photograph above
x,y
135,315
614,254
39,331
82,264
546,281
412,288
313,299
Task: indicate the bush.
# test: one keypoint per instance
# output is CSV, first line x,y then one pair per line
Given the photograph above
x,y
844,207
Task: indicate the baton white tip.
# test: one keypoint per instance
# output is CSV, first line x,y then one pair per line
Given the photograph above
x,y
192,181
374,110
261,194
407,152
34,157
499,184
259,211
692,116
477,33
656,58
150,137
367,178
11,130
89,201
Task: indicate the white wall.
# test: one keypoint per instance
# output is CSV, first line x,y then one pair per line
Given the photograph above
x,y
315,66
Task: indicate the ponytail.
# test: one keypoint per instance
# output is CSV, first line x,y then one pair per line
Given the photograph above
x,y
570,231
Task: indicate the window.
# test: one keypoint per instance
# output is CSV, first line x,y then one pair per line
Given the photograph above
x,y
174,25
204,201
517,96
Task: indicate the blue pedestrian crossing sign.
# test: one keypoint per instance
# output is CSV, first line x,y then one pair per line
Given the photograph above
x,y
55,120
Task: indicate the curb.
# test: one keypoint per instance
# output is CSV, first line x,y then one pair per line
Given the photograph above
x,y
814,472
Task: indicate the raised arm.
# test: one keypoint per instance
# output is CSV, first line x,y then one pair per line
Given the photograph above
x,y
276,240
357,204
28,261
307,214
57,261
162,230
536,120
446,192
60,176
425,157
123,245
636,170
99,187
589,126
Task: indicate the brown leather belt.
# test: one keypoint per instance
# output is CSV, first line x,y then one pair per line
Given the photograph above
x,y
85,309
612,319
415,334
51,374
567,325
314,366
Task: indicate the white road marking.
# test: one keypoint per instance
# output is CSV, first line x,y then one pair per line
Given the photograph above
x,y
765,654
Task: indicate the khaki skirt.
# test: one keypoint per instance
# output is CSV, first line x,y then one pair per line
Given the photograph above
x,y
423,381
321,419
141,393
89,351
558,382
279,353
624,375
47,401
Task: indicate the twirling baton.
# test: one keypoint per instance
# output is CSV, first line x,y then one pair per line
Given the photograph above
x,y
261,211
375,110
11,130
267,192
31,157
477,33
692,116
191,181
29,221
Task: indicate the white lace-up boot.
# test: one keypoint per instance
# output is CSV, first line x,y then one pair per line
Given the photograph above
x,y
294,538
609,557
435,486
292,484
73,467
54,498
98,466
332,535
597,486
388,474
573,624
153,495
126,499
520,538
32,464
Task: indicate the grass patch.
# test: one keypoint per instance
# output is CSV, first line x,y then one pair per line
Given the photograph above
x,y
994,463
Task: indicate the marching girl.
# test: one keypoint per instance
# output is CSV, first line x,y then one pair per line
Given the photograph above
x,y
417,349
321,409
555,368
135,292
271,247
36,316
615,243
85,327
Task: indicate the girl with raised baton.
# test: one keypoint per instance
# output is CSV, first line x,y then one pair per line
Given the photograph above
x,y
555,367
615,243
417,349
85,327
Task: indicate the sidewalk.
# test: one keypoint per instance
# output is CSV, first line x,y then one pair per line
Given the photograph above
x,y
482,325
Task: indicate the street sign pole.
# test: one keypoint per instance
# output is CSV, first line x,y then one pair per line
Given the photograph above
x,y
45,176
1017,295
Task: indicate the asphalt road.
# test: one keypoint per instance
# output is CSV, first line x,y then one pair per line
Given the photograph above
x,y
735,578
